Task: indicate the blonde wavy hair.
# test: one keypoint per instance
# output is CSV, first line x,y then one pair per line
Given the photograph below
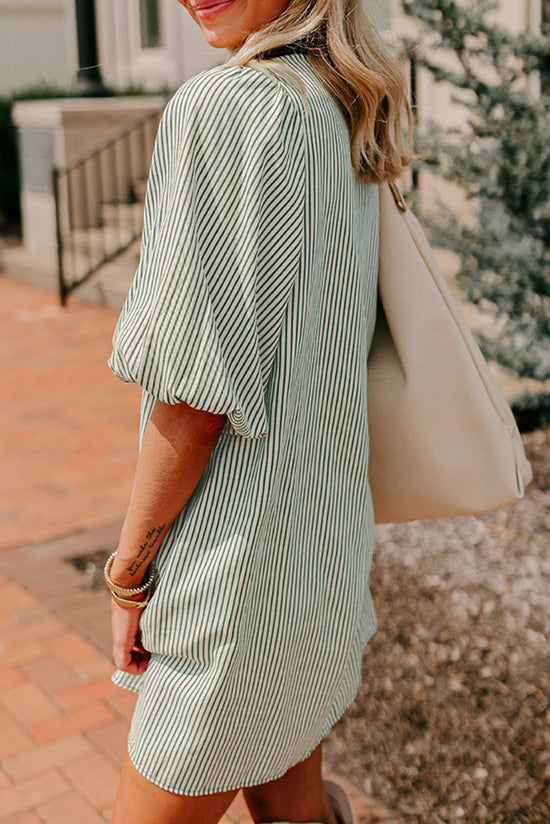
x,y
356,67
358,70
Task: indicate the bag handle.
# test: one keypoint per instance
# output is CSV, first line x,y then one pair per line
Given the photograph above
x,y
397,196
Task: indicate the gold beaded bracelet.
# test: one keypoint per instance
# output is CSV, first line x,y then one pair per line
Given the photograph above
x,y
123,592
127,604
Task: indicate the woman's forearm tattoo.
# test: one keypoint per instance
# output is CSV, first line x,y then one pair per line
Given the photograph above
x,y
151,539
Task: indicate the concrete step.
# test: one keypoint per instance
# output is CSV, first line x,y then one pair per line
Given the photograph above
x,y
108,287
37,268
97,244
125,215
88,248
85,249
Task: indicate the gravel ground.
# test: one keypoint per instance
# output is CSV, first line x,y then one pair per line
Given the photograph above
x,y
452,723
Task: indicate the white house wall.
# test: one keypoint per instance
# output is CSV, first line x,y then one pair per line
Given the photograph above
x,y
184,50
32,44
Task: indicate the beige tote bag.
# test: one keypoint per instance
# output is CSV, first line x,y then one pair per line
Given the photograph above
x,y
443,440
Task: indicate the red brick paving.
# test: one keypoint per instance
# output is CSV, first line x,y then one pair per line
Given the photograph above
x,y
68,433
68,425
68,809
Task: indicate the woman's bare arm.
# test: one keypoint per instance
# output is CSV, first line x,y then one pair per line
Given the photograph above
x,y
176,447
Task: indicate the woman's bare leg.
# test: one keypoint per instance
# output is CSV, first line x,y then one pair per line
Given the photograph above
x,y
138,800
298,796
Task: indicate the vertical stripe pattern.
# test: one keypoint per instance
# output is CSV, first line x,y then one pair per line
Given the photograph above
x,y
255,297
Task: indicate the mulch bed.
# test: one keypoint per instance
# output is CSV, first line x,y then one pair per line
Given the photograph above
x,y
452,723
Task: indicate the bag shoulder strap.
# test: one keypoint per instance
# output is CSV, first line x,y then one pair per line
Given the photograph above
x,y
397,196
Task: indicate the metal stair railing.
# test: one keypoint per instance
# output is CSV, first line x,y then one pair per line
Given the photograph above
x,y
98,202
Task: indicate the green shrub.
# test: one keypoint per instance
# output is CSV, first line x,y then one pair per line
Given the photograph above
x,y
501,160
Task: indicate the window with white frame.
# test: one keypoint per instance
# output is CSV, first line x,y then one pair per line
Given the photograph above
x,y
150,29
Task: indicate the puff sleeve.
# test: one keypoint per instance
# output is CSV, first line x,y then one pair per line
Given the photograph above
x,y
221,247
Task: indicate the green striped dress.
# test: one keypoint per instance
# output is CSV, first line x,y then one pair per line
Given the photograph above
x,y
255,297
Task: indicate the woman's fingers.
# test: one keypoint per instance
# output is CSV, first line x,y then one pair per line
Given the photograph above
x,y
134,663
129,653
130,660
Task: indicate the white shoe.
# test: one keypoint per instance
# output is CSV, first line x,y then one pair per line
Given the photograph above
x,y
341,803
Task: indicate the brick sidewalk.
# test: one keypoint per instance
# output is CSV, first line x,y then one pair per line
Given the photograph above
x,y
64,724
68,433
68,426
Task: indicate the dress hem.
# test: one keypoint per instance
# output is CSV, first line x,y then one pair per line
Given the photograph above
x,y
114,679
231,786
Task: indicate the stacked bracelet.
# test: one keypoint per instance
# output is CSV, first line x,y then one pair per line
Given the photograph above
x,y
122,593
127,604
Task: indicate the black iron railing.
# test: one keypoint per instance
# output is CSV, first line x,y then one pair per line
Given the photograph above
x,y
99,202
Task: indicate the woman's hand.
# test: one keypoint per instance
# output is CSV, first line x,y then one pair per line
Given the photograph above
x,y
129,653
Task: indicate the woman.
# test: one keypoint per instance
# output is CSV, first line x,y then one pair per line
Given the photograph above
x,y
248,326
